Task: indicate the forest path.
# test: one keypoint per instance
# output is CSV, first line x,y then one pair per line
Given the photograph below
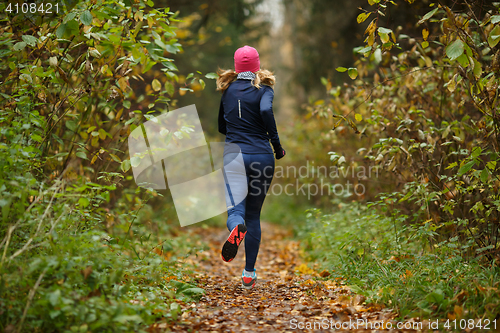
x,y
288,296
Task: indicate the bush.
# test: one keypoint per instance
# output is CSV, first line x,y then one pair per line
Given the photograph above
x,y
426,110
74,245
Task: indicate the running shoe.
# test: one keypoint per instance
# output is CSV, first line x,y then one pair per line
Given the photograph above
x,y
248,279
230,248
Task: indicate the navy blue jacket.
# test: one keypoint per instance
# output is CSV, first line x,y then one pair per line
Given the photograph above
x,y
246,117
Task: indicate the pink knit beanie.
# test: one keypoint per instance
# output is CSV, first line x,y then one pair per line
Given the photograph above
x,y
246,59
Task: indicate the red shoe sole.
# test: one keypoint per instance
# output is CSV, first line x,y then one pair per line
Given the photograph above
x,y
230,248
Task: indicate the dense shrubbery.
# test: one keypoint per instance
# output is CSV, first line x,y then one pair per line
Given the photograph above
x,y
76,253
424,110
427,105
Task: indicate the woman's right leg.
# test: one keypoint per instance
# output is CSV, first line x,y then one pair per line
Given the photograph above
x,y
236,191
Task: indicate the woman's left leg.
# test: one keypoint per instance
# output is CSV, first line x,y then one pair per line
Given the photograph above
x,y
260,171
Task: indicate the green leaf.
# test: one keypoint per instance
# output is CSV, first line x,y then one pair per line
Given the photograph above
x,y
126,318
115,158
491,165
377,55
193,291
94,52
495,19
36,137
341,69
127,104
463,60
484,175
476,151
30,40
466,167
428,15
455,49
84,202
135,161
452,165
125,166
169,87
26,77
384,37
173,48
81,154
61,30
86,18
383,30
212,76
71,125
478,70
55,296
324,81
202,83
353,73
363,50
436,296
19,46
494,36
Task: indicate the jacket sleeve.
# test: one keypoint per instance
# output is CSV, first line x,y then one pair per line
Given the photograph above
x,y
266,112
222,121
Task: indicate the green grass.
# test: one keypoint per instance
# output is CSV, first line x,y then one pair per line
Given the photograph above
x,y
393,265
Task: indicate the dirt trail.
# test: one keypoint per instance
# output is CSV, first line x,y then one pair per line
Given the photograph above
x,y
282,300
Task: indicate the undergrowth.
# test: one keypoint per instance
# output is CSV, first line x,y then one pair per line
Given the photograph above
x,y
394,265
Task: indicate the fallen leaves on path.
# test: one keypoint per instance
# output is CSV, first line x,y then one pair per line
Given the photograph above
x,y
289,295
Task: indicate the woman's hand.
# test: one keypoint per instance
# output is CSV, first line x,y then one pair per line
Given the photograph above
x,y
280,153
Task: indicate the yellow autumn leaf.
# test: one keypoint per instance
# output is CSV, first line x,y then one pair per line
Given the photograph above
x,y
451,84
304,269
371,27
122,82
358,117
425,34
156,84
138,16
308,282
119,114
362,17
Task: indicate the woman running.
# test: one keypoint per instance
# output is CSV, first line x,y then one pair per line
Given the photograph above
x,y
246,118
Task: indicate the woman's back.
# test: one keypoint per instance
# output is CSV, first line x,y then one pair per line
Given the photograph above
x,y
247,117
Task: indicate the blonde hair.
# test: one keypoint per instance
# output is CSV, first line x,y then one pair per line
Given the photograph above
x,y
228,76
